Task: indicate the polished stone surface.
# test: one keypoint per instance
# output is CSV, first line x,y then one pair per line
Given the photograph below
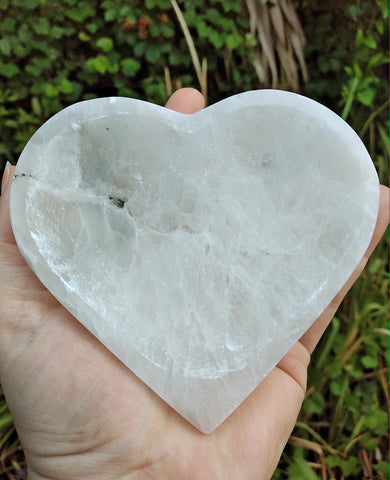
x,y
197,248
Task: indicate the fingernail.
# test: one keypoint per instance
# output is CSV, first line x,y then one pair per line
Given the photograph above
x,y
6,180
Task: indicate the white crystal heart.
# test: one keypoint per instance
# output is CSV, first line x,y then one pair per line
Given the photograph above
x,y
197,248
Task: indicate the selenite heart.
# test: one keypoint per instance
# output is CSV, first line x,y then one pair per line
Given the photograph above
x,y
197,248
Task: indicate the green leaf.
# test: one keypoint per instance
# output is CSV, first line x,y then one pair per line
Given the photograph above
x,y
110,15
36,106
50,90
31,4
383,469
380,27
301,470
315,403
369,362
92,27
5,46
335,370
152,53
8,24
167,30
130,66
25,35
8,70
250,40
65,86
105,44
348,467
101,64
38,65
234,40
84,37
384,6
81,12
41,26
378,422
154,30
139,49
367,96
362,40
57,32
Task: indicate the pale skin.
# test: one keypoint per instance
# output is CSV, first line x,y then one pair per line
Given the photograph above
x,y
81,414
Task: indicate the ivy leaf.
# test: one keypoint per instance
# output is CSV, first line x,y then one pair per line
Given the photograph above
x,y
152,53
130,66
167,30
8,70
84,37
92,27
65,86
57,32
50,90
5,46
101,64
31,4
234,40
41,26
81,12
105,44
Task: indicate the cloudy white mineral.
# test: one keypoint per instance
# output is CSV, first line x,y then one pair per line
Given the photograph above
x,y
197,248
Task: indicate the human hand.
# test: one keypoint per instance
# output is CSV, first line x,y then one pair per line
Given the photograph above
x,y
81,414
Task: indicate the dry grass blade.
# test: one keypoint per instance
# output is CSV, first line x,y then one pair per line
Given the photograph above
x,y
298,49
291,16
366,464
289,68
251,6
315,447
168,82
261,69
278,58
203,83
278,24
191,45
302,442
265,38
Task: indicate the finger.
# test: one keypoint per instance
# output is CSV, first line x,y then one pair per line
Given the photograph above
x,y
186,100
314,333
6,234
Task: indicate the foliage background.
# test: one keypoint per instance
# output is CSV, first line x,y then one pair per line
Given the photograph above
x,y
54,53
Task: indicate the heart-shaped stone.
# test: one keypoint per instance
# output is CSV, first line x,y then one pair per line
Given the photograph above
x,y
197,248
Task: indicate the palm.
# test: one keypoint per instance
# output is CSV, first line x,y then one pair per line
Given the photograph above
x,y
80,413
69,395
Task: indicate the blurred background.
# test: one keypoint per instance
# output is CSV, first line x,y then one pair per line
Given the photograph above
x,y
55,53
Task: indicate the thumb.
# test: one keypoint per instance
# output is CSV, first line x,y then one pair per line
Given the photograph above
x,y
186,100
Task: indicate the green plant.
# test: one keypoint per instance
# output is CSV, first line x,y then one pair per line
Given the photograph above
x,y
54,53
